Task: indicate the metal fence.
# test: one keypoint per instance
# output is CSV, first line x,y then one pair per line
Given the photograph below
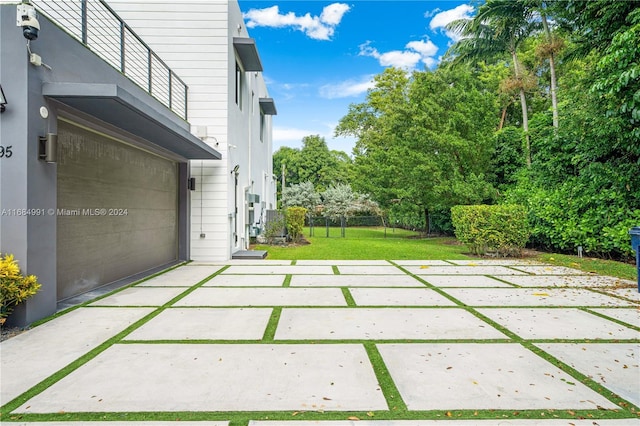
x,y
98,27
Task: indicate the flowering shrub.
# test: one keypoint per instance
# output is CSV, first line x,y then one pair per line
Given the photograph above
x,y
14,287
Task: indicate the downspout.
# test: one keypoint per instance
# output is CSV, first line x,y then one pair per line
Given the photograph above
x,y
245,217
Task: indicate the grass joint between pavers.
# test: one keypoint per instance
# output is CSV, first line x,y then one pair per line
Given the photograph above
x,y
272,325
609,318
287,280
93,353
348,297
397,409
391,393
585,380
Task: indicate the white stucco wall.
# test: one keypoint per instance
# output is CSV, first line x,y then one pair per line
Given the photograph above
x,y
195,39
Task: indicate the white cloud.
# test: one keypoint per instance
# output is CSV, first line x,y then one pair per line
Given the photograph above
x,y
292,137
415,52
290,134
400,59
287,91
431,13
332,14
292,86
442,19
316,27
347,89
424,48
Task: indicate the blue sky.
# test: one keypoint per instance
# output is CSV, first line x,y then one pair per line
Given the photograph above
x,y
320,56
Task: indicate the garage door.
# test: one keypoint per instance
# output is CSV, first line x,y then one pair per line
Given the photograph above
x,y
117,210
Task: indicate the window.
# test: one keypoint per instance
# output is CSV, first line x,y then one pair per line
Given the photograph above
x,y
262,126
239,84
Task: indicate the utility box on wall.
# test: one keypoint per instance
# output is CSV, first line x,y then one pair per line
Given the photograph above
x,y
635,245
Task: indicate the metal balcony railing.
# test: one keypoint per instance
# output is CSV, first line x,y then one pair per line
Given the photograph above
x,y
98,27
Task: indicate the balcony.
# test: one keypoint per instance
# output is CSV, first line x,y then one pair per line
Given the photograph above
x,y
97,26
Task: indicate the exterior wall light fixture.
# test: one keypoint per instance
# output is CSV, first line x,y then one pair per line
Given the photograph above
x,y
3,100
48,148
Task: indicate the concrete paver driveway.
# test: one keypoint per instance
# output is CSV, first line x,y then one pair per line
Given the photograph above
x,y
337,343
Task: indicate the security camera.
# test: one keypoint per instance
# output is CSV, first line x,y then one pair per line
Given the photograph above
x,y
26,18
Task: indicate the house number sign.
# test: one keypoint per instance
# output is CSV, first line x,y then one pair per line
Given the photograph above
x,y
5,151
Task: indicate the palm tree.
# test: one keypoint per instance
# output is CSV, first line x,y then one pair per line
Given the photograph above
x,y
552,68
549,50
499,27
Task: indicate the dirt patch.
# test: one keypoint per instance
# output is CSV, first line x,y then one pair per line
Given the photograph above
x,y
9,332
302,242
423,236
452,243
530,253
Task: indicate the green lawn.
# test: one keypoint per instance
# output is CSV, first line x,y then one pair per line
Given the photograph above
x,y
588,264
368,243
396,244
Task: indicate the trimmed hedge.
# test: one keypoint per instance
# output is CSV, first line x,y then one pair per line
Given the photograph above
x,y
501,229
295,222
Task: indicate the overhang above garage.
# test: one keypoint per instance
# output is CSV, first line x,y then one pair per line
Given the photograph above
x,y
114,105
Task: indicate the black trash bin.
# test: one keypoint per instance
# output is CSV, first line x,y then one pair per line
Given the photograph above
x,y
635,244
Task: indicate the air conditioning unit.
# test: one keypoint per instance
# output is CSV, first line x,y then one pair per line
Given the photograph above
x,y
253,198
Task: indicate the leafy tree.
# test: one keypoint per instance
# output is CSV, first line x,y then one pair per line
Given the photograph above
x,y
499,26
431,140
583,188
338,201
618,77
550,49
423,140
314,163
492,76
593,24
286,159
507,159
301,195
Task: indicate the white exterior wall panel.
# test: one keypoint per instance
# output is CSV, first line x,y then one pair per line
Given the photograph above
x,y
195,39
